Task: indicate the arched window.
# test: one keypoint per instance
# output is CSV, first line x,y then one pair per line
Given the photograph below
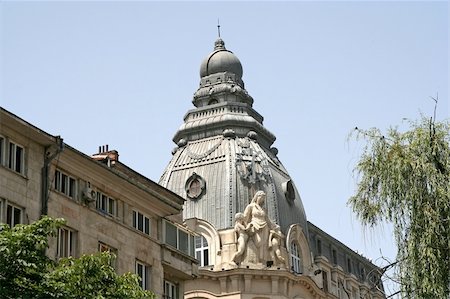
x,y
295,258
202,251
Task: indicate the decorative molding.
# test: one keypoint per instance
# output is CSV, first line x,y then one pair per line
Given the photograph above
x,y
195,186
207,230
251,164
205,154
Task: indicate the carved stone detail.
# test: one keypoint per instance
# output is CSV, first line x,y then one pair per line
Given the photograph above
x,y
258,239
195,186
182,142
197,156
250,165
229,133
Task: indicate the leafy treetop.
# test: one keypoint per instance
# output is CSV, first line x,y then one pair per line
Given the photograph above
x,y
404,178
26,272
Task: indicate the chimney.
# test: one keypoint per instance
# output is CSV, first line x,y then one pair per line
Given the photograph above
x,y
105,155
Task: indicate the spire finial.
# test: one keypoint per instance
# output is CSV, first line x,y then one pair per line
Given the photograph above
x,y
218,27
219,44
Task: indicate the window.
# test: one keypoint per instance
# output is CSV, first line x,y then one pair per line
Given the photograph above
x,y
141,222
66,242
171,235
334,256
106,204
295,258
319,246
349,265
202,250
13,215
325,280
102,247
64,184
178,238
143,271
183,241
362,273
2,149
16,157
170,290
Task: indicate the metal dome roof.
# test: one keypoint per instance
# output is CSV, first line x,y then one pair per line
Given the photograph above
x,y
220,60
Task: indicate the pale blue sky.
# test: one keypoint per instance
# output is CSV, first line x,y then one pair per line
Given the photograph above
x,y
123,74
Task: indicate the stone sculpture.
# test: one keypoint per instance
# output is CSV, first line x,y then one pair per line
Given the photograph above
x,y
242,237
275,238
258,238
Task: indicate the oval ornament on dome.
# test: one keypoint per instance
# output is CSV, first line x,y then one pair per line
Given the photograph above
x,y
195,186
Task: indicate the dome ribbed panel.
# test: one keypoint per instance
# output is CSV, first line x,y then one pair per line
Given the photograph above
x,y
208,158
210,205
215,159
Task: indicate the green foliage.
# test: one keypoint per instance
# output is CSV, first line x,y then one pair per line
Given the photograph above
x,y
92,276
26,272
404,178
23,263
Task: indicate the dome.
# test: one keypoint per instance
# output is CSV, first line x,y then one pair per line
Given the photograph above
x,y
220,60
224,154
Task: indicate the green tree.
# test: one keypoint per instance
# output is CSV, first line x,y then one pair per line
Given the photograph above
x,y
26,272
23,263
404,178
91,276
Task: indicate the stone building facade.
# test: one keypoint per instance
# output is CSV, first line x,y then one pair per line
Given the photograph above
x,y
254,240
107,206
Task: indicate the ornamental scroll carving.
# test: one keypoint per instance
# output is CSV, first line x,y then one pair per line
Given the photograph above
x,y
258,238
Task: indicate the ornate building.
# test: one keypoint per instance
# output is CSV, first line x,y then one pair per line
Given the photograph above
x,y
254,240
107,206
